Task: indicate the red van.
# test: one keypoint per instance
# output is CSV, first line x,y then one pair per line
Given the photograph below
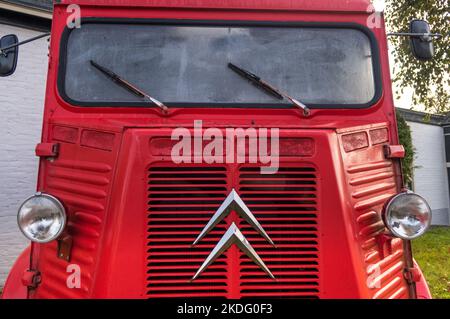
x,y
233,149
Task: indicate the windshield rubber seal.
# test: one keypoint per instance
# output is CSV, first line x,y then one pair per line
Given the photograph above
x,y
234,23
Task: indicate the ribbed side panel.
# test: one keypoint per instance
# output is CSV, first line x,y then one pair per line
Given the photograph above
x,y
390,277
372,185
82,187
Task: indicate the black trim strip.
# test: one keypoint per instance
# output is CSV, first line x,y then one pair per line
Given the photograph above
x,y
350,25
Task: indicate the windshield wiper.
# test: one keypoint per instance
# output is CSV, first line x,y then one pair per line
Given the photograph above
x,y
127,85
260,83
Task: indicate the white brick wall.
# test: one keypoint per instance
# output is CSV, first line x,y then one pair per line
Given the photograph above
x,y
430,174
21,108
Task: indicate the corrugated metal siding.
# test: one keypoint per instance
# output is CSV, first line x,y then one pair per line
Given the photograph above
x,y
430,173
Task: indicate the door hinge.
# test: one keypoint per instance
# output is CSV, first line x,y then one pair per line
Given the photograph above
x,y
31,278
412,275
47,150
65,247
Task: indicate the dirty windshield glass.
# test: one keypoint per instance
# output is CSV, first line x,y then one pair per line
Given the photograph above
x,y
189,64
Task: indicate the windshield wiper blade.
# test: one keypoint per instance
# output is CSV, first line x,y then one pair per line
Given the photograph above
x,y
260,83
256,80
127,85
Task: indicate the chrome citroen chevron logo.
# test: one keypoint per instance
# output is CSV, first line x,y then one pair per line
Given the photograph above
x,y
233,235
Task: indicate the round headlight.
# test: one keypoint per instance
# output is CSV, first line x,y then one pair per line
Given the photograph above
x,y
407,215
41,218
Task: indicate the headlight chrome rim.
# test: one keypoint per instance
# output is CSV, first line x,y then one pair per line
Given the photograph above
x,y
63,216
387,214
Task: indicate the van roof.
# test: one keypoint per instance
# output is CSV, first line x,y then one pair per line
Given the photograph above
x,y
302,5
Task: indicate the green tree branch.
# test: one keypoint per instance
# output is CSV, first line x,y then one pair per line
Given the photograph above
x,y
430,80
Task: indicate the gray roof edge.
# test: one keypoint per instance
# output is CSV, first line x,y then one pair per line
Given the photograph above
x,y
44,5
422,117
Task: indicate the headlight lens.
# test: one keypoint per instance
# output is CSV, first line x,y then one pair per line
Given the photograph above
x,y
407,215
41,218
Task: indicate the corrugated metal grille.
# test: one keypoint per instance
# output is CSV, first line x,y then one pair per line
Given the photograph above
x,y
181,202
286,205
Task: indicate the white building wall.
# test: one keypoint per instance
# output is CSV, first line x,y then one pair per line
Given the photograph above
x,y
21,107
430,173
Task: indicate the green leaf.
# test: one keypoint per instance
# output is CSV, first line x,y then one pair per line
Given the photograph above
x,y
429,80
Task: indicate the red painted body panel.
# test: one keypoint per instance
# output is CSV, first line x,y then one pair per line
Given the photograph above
x,y
14,288
423,291
331,246
305,5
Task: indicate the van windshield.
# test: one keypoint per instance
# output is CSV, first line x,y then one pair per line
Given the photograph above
x,y
188,64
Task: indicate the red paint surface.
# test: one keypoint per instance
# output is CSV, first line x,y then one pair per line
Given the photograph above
x,y
14,287
423,291
132,231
